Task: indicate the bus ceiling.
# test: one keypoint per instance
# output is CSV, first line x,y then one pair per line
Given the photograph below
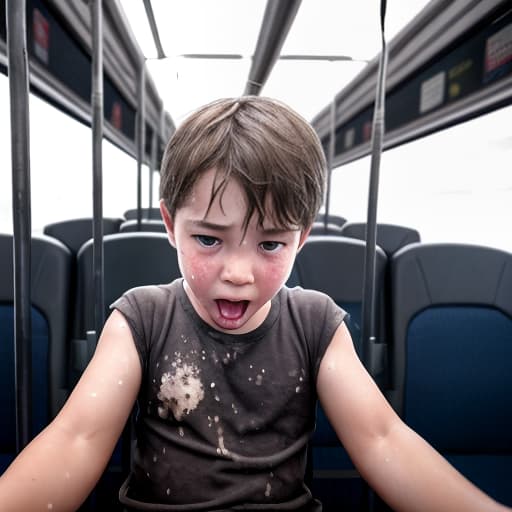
x,y
445,62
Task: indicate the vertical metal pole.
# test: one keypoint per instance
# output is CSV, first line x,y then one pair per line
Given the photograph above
x,y
330,160
20,154
97,170
141,132
152,168
368,308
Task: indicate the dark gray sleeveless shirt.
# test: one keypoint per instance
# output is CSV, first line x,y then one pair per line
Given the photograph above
x,y
224,419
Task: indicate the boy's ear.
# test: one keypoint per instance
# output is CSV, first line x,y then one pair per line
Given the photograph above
x,y
169,224
303,237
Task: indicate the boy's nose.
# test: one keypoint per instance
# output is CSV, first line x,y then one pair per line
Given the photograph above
x,y
237,270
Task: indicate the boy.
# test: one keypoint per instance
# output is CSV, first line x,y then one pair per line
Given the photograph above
x,y
226,363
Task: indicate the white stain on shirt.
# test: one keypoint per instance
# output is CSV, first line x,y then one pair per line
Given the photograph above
x,y
181,391
221,450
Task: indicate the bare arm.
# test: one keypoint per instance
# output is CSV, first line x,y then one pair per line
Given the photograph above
x,y
60,467
402,467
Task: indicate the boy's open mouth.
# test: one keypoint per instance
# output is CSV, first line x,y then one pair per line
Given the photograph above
x,y
232,310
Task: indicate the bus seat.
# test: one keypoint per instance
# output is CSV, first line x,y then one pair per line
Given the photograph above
x,y
335,266
156,226
338,220
390,237
320,229
451,353
75,232
130,260
147,213
50,285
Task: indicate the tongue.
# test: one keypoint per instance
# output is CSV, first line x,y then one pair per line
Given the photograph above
x,y
232,310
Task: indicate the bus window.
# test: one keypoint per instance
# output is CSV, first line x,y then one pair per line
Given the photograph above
x,y
61,167
452,186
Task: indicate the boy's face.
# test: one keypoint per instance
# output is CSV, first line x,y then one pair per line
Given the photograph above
x,y
230,279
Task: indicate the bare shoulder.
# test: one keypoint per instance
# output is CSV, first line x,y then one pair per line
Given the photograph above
x,y
355,406
104,396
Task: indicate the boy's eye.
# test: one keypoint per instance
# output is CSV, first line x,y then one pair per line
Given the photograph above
x,y
271,246
207,241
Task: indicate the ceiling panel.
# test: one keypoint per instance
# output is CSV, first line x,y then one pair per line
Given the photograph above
x,y
321,27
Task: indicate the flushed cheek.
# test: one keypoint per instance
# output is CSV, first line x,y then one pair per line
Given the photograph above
x,y
197,269
275,274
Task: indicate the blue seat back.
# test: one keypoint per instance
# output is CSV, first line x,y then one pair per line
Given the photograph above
x,y
390,237
335,266
156,226
331,219
50,297
130,260
147,213
451,353
75,232
320,229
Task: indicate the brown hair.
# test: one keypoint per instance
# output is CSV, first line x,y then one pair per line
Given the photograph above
x,y
271,150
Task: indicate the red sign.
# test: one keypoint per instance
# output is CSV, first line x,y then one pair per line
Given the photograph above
x,y
41,29
116,116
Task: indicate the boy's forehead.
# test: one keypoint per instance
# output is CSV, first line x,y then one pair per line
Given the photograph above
x,y
229,199
208,182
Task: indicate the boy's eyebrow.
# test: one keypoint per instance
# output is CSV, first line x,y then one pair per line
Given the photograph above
x,y
208,225
204,224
